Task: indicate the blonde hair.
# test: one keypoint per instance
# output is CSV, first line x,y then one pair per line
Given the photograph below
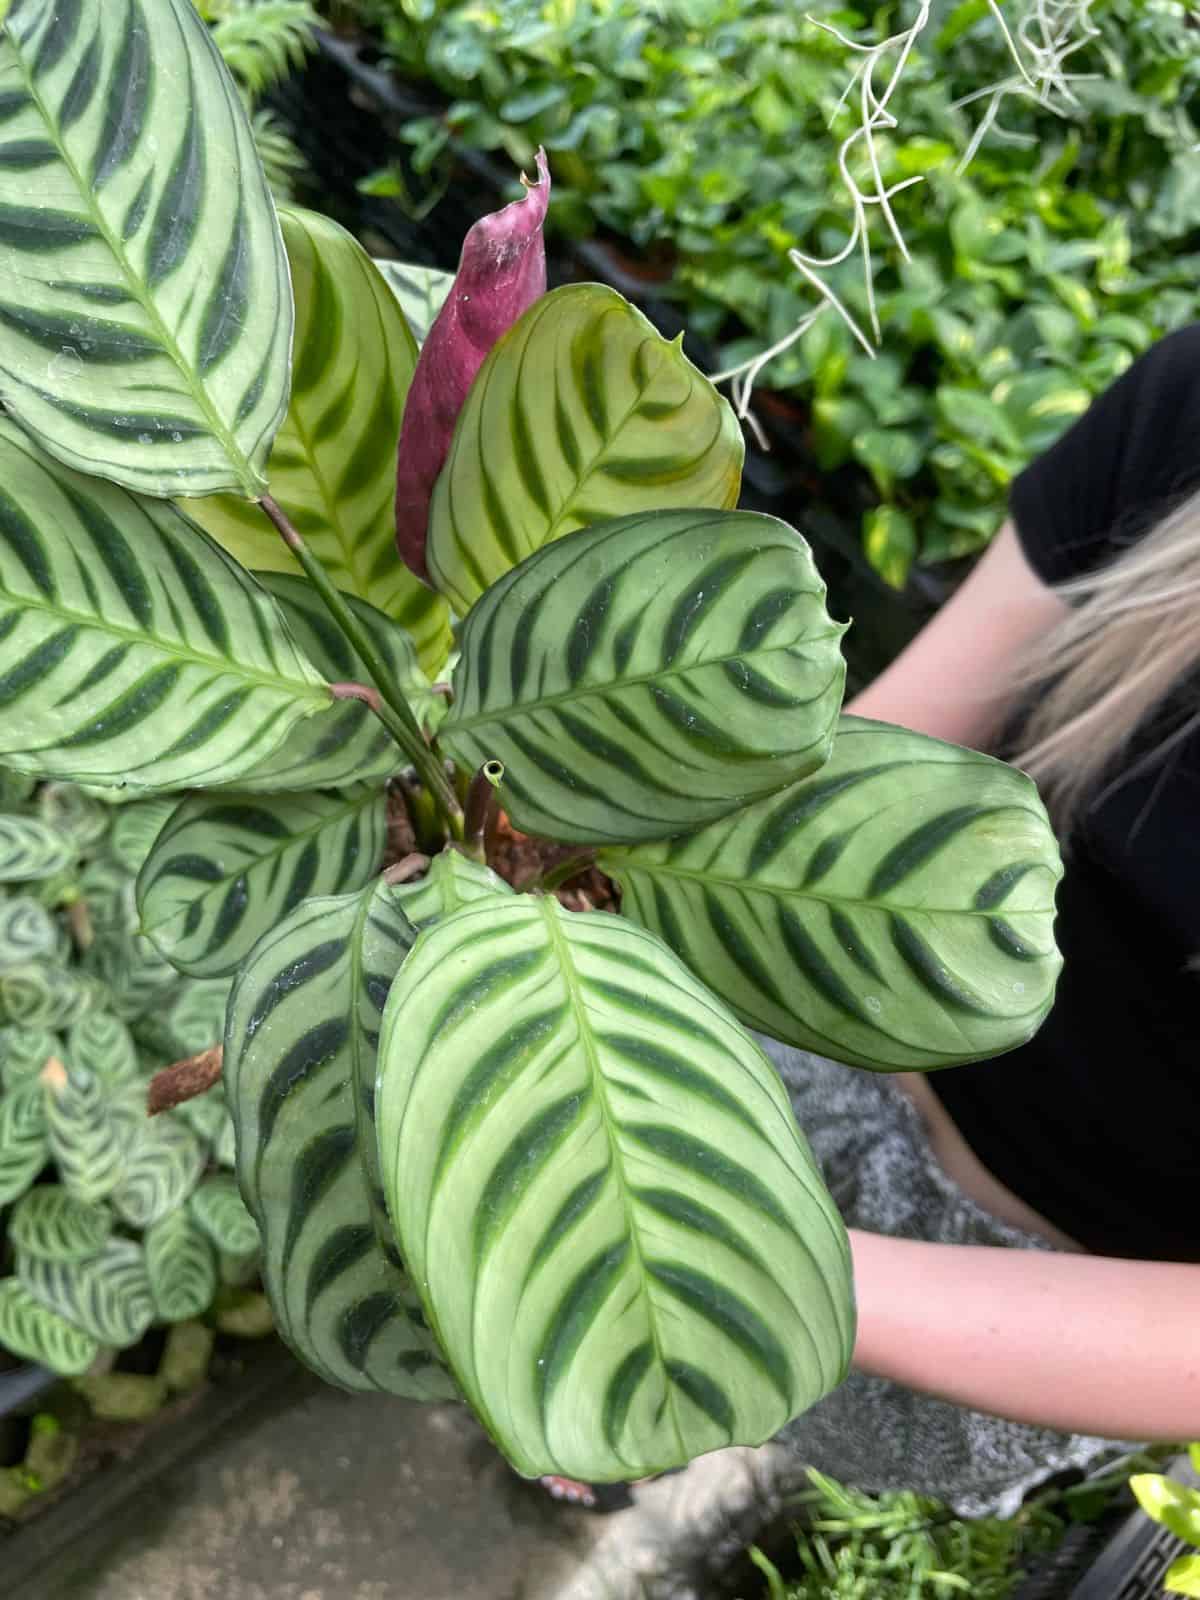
x,y
1132,634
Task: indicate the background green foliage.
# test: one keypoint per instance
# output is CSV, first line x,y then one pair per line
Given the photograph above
x,y
262,41
109,1221
699,130
905,1546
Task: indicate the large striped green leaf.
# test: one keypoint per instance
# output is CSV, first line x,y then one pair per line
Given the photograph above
x,y
228,867
333,467
420,291
108,1295
145,318
136,652
581,412
299,1046
345,743
621,1239
23,1147
162,1165
53,1224
895,911
137,826
28,1330
643,676
181,1268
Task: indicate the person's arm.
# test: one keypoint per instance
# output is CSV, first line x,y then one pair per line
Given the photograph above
x,y
1074,1342
955,678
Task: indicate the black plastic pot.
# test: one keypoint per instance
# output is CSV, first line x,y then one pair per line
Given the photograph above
x,y
1133,1563
343,112
21,1385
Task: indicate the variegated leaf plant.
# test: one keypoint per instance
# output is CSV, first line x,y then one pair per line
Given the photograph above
x,y
494,1148
111,1222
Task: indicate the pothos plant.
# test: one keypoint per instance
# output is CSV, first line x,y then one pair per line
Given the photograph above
x,y
494,1149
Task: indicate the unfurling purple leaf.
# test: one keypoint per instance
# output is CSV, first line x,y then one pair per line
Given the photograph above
x,y
501,272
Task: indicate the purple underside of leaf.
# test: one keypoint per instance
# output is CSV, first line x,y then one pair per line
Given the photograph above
x,y
501,272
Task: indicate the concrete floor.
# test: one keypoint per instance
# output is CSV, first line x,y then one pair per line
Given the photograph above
x,y
319,1495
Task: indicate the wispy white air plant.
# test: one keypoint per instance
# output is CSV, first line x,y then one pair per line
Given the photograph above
x,y
1048,34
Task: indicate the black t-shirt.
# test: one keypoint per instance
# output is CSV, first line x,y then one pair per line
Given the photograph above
x,y
1096,1121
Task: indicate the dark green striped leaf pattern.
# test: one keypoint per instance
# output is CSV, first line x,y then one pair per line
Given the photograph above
x,y
133,974
108,1295
895,911
101,1044
187,1020
420,291
50,1223
160,1168
27,933
136,826
68,809
145,318
227,867
643,676
43,995
299,1050
84,1138
346,742
135,651
580,412
453,881
32,849
583,1151
333,468
23,1146
220,1212
28,1330
181,1268
24,1052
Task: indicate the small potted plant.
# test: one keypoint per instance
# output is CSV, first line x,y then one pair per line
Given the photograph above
x,y
494,1149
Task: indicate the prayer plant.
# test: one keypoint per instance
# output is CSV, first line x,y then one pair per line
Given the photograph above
x,y
494,1148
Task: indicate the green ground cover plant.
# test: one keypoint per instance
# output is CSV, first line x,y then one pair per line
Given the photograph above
x,y
707,133
494,1148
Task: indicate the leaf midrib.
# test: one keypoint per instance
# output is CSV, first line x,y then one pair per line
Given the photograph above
x,y
575,999
526,708
278,683
196,387
748,886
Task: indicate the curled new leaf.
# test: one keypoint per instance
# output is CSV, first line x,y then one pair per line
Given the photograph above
x,y
501,272
582,1149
